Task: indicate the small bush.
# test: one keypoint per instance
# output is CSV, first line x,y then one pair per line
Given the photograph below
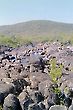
x,y
55,70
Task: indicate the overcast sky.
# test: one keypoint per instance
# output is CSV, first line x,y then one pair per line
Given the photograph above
x,y
14,11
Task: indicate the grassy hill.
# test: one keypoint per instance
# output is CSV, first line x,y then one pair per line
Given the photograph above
x,y
37,30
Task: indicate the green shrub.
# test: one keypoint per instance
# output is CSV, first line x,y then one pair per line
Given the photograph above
x,y
55,74
55,70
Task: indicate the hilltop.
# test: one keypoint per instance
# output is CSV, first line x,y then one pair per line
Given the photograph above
x,y
37,28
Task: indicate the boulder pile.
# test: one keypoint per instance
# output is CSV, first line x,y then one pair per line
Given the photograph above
x,y
26,80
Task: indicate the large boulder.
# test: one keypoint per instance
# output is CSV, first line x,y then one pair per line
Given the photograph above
x,y
26,103
11,102
19,83
44,87
58,107
38,77
5,89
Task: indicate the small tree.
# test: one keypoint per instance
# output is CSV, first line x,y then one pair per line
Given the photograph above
x,y
55,70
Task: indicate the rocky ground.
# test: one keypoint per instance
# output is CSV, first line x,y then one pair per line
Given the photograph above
x,y
25,77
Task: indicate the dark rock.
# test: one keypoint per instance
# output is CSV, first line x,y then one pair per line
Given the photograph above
x,y
67,102
26,103
36,96
5,89
34,107
11,102
56,99
19,85
1,98
70,93
49,103
42,106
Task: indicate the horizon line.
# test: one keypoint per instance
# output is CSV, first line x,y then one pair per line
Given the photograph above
x,y
57,21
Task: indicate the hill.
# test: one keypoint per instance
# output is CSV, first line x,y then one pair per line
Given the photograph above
x,y
37,30
37,27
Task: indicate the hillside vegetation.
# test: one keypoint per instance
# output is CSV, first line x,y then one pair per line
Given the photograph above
x,y
35,31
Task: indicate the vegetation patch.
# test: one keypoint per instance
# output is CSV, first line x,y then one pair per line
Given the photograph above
x,y
55,74
18,40
55,70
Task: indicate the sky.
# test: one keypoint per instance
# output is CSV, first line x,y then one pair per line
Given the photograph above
x,y
14,11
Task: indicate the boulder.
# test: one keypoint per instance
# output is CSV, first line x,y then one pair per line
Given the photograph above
x,y
5,89
19,84
38,77
36,96
44,87
71,107
58,107
26,103
23,97
42,106
11,102
34,107
67,102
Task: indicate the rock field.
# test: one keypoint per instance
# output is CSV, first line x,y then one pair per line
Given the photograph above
x,y
25,77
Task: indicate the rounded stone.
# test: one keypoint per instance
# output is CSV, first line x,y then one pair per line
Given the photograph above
x,y
11,102
58,107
